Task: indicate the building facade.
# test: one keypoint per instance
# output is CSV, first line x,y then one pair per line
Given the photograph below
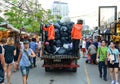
x,y
60,9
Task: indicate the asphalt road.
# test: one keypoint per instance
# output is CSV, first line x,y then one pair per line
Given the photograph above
x,y
86,74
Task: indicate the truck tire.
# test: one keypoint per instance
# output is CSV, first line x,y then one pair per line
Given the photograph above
x,y
74,70
47,69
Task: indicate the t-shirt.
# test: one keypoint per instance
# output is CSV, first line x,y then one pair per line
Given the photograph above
x,y
116,52
9,51
102,52
84,44
24,61
33,46
92,49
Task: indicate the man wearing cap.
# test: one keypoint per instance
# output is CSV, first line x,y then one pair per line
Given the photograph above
x,y
24,60
51,35
76,35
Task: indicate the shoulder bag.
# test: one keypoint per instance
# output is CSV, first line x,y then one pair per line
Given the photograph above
x,y
31,64
112,56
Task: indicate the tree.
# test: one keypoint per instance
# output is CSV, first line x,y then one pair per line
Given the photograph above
x,y
27,14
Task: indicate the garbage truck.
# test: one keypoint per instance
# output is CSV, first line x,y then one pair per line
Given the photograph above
x,y
62,58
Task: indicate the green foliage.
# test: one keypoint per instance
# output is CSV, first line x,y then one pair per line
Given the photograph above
x,y
28,16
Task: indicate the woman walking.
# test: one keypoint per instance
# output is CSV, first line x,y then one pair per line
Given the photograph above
x,y
10,52
25,61
114,62
102,56
18,48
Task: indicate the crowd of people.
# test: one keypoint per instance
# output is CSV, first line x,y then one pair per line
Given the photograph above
x,y
21,55
105,55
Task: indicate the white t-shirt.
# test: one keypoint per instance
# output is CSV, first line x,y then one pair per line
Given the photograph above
x,y
84,44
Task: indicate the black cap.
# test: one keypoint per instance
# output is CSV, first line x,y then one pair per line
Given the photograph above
x,y
80,21
26,42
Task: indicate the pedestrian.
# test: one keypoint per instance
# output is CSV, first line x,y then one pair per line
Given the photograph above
x,y
24,60
39,47
114,62
51,36
18,48
9,54
102,57
34,47
92,51
84,47
76,35
2,64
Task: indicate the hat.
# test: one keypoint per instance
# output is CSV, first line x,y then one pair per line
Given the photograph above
x,y
25,42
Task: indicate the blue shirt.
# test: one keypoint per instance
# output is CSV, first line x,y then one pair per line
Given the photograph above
x,y
24,59
33,46
116,52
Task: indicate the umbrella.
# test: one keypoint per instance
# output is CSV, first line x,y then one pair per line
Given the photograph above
x,y
2,29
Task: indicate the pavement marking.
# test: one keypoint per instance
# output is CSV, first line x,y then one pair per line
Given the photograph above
x,y
87,75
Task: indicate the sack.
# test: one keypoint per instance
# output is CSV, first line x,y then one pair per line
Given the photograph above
x,y
56,25
1,75
58,43
61,51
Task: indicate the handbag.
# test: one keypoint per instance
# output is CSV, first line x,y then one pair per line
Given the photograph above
x,y
112,56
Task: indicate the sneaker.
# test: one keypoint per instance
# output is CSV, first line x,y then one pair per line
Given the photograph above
x,y
100,76
113,82
117,83
105,79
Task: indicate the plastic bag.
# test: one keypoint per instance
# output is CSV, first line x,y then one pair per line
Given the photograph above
x,y
61,51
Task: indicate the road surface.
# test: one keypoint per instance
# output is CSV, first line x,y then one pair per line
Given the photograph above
x,y
86,74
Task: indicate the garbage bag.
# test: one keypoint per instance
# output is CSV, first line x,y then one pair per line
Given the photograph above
x,y
47,25
63,28
66,46
69,51
65,19
57,31
49,50
64,34
56,25
57,36
58,43
64,40
61,51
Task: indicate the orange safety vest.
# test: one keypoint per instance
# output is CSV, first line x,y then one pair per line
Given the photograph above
x,y
51,32
76,32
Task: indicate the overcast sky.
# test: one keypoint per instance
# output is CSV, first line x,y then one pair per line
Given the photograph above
x,y
86,8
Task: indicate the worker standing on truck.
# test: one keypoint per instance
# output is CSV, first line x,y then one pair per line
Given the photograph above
x,y
51,36
76,35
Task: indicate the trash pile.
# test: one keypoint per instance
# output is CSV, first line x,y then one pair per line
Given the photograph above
x,y
62,42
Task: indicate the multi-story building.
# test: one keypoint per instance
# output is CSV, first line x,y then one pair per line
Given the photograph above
x,y
60,8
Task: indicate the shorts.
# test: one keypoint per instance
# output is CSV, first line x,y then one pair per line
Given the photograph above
x,y
10,63
84,50
115,65
24,70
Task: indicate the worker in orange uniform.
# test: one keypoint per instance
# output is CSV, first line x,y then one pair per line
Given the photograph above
x,y
76,35
51,36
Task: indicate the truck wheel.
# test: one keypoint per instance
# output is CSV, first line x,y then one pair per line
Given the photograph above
x,y
47,69
74,70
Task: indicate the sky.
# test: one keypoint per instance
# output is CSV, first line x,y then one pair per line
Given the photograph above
x,y
87,9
